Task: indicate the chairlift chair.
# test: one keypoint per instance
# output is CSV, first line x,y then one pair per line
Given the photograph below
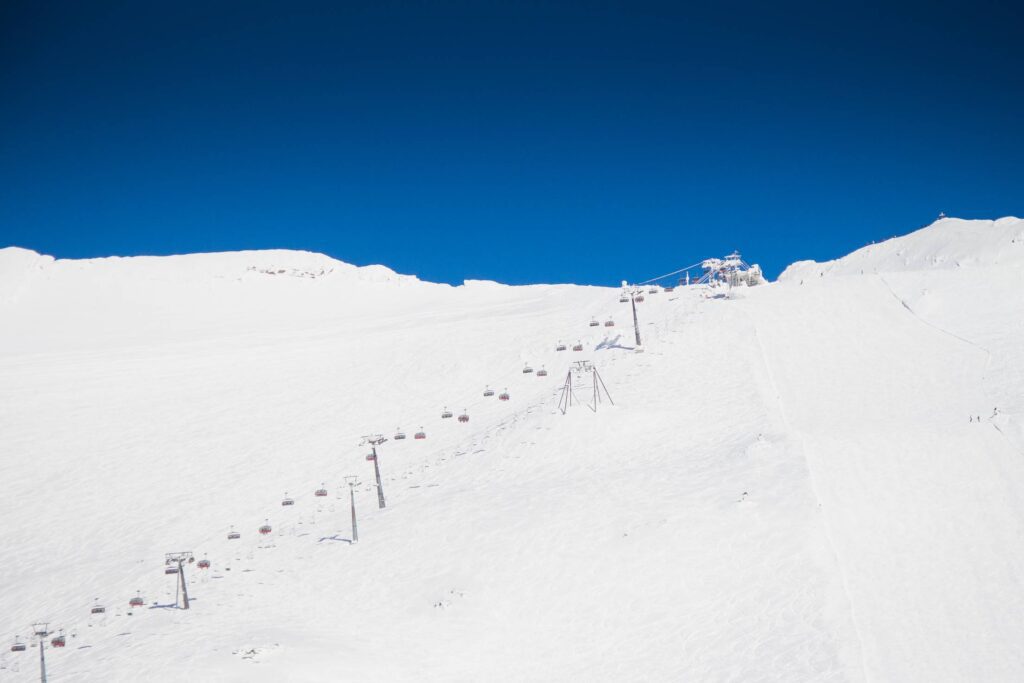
x,y
503,396
652,290
98,609
527,370
623,299
265,529
203,563
560,347
578,346
171,569
488,392
542,373
18,646
234,535
464,417
322,491
58,640
609,323
399,435
593,322
137,601
445,414
639,298
670,289
286,502
420,435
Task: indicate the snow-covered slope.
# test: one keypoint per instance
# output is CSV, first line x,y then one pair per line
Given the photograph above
x,y
948,243
791,484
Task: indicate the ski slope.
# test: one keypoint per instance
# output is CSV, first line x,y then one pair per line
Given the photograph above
x,y
790,484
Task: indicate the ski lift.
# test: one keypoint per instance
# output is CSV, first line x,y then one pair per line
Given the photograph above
x,y
286,502
58,640
542,373
399,435
560,347
18,645
488,392
464,417
445,414
577,346
593,322
609,323
203,563
527,369
137,601
322,491
233,535
503,396
171,569
420,435
265,529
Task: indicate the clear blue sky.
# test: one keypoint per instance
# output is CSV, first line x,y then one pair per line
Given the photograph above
x,y
519,141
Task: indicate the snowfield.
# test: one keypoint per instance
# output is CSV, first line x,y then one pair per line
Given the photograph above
x,y
819,479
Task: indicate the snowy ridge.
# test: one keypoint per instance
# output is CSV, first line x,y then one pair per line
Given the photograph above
x,y
817,481
948,243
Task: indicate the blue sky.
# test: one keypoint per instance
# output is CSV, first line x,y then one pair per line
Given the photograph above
x,y
517,141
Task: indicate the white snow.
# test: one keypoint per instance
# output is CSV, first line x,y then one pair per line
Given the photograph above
x,y
790,485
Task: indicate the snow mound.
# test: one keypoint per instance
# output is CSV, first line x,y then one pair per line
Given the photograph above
x,y
948,243
140,299
198,267
17,269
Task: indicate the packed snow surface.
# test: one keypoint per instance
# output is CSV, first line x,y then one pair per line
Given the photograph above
x,y
818,479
